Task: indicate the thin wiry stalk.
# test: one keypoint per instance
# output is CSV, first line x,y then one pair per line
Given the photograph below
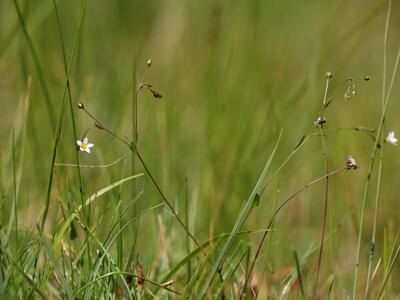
x,y
328,76
304,140
14,187
53,161
135,117
90,166
373,239
134,149
189,267
268,228
326,194
370,168
378,187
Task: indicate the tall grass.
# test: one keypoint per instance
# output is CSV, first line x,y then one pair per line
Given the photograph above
x,y
192,189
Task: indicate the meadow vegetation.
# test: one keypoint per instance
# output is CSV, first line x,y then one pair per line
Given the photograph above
x,y
199,149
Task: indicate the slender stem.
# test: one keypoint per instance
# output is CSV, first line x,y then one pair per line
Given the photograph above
x,y
370,168
321,249
268,228
135,120
189,268
373,239
15,187
326,91
134,149
135,92
378,187
326,195
165,199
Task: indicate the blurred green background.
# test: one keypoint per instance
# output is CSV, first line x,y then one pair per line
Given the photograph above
x,y
232,74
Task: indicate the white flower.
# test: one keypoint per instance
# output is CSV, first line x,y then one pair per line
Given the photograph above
x,y
390,138
84,145
321,120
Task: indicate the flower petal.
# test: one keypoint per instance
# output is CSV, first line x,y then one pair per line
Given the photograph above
x,y
87,150
79,143
90,145
82,149
85,140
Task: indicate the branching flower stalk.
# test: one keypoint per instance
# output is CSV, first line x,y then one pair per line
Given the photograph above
x,y
306,138
282,205
133,148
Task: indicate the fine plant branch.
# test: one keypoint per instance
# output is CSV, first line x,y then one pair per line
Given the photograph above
x,y
305,139
133,148
268,227
90,166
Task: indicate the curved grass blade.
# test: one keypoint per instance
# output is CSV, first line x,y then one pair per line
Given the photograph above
x,y
93,197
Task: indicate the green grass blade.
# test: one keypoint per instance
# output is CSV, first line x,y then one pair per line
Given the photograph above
x,y
239,222
93,197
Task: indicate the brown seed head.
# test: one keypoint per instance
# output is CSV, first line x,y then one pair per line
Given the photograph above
x,y
351,163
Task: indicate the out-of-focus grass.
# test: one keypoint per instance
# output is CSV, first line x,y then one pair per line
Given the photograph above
x,y
232,75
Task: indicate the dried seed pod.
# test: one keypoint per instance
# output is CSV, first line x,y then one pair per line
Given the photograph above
x,y
139,272
155,93
98,125
351,163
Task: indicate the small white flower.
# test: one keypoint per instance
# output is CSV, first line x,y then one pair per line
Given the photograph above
x,y
390,138
84,145
321,120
